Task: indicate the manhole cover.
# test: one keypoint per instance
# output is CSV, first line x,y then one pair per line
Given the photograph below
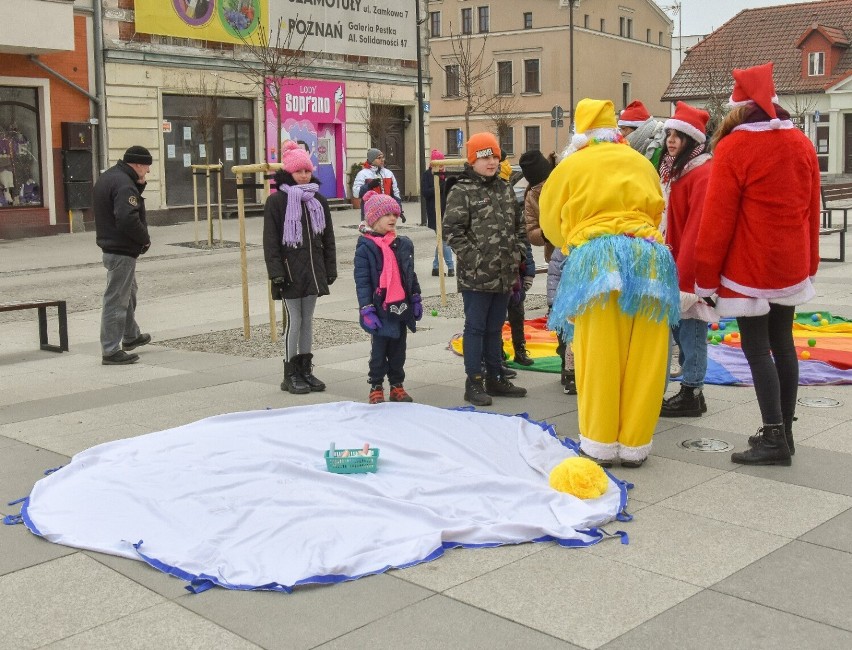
x,y
818,402
706,444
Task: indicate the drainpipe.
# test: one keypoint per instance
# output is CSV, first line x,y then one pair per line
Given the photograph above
x,y
98,29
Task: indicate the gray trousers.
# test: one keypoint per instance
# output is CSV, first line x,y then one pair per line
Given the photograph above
x,y
118,318
298,325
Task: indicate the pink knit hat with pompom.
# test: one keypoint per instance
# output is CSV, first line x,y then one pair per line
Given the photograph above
x,y
294,158
377,206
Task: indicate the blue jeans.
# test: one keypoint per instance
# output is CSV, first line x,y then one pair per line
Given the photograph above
x,y
448,257
691,335
484,315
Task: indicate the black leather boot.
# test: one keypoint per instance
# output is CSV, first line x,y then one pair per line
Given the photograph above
x,y
770,448
502,387
788,434
293,382
521,357
569,382
306,367
474,391
686,404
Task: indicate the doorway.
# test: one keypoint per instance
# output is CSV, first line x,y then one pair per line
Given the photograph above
x,y
391,141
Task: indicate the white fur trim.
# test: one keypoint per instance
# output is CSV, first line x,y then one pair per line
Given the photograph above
x,y
769,294
705,293
634,123
745,102
687,128
771,125
599,450
635,453
730,307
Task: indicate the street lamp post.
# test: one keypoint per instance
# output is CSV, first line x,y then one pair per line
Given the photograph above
x,y
421,145
571,68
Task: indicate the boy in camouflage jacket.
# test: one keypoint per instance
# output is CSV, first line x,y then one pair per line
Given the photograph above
x,y
485,230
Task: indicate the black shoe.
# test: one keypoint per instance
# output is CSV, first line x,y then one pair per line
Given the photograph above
x,y
434,273
770,448
521,357
502,387
686,404
508,373
306,367
569,382
474,391
450,273
606,464
293,382
788,434
142,339
120,358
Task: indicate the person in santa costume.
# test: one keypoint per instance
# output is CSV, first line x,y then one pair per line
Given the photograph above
x,y
643,132
602,205
684,173
758,247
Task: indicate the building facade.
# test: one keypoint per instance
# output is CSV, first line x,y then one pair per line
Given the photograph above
x,y
46,103
621,51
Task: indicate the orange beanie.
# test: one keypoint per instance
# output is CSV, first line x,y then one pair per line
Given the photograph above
x,y
482,145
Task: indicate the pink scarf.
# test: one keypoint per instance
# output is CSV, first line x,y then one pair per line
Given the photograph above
x,y
390,281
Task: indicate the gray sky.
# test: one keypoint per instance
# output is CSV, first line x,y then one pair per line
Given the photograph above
x,y
703,16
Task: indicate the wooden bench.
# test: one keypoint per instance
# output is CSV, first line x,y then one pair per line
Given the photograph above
x,y
830,194
42,306
835,230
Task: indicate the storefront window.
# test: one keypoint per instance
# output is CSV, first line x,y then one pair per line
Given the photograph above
x,y
20,167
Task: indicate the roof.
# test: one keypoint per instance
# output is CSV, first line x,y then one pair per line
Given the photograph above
x,y
755,36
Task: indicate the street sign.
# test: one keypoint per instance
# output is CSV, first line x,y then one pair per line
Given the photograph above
x,y
459,139
556,113
557,123
426,107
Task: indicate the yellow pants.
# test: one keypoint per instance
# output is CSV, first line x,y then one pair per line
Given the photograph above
x,y
621,364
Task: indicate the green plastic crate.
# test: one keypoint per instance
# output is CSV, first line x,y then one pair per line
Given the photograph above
x,y
354,463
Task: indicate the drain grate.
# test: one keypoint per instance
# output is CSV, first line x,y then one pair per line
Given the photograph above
x,y
706,444
819,402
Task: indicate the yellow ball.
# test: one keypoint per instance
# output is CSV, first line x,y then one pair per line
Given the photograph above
x,y
806,354
728,338
581,477
823,322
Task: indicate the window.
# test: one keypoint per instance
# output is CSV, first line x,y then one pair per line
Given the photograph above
x,y
603,24
625,93
586,21
622,28
527,20
435,24
660,37
504,78
467,21
532,83
20,167
452,81
629,33
816,64
454,142
647,35
506,137
532,134
483,20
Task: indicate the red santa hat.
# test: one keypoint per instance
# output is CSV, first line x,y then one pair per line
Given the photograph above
x,y
634,115
689,120
755,85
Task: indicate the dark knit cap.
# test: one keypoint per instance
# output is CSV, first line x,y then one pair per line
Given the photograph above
x,y
138,155
535,167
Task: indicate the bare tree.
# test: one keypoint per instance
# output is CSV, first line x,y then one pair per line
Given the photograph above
x,y
270,58
474,69
799,105
379,112
207,106
504,113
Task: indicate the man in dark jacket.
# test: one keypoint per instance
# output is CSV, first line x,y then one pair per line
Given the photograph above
x,y
122,234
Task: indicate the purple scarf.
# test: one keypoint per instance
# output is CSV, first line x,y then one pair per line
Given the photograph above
x,y
296,196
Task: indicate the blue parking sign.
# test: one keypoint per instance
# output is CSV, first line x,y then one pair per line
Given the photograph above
x,y
459,138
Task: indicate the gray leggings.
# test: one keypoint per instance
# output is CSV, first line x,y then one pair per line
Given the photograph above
x,y
298,325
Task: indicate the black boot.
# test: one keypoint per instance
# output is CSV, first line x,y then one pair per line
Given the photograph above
x,y
502,387
474,391
788,434
770,448
293,381
686,404
521,357
569,382
306,367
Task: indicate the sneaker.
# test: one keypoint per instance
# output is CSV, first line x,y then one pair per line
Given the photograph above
x,y
569,383
632,464
377,394
508,373
139,341
502,387
606,464
398,394
474,391
434,273
120,358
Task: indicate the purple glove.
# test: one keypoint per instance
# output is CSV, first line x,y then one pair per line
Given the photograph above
x,y
417,306
515,295
369,318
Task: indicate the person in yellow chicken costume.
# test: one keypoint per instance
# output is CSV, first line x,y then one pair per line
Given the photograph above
x,y
603,204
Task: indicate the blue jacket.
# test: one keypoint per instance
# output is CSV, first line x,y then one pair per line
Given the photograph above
x,y
368,267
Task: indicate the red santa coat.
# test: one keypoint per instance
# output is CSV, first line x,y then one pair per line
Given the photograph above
x,y
759,234
683,217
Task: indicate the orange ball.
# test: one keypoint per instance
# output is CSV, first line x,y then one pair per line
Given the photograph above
x,y
806,354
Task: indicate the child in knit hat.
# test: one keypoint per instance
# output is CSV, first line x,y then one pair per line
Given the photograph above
x,y
388,294
301,260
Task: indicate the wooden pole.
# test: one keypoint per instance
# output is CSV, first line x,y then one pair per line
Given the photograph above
x,y
273,325
439,230
209,210
219,195
195,202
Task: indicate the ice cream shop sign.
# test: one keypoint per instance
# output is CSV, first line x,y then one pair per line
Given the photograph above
x,y
306,101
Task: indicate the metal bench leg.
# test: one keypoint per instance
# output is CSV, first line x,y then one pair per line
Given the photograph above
x,y
62,312
42,330
843,244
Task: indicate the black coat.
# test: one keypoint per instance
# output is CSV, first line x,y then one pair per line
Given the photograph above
x,y
427,191
119,208
308,268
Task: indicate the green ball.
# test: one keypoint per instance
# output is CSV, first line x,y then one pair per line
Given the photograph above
x,y
812,342
434,312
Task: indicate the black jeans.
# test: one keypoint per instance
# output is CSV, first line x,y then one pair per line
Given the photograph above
x,y
387,357
776,383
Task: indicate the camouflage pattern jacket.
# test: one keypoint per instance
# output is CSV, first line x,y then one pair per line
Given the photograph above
x,y
485,229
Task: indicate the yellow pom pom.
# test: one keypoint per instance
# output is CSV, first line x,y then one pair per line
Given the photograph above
x,y
581,477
